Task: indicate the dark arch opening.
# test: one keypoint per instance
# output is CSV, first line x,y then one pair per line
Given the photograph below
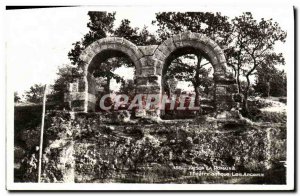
x,y
104,55
206,103
180,52
103,76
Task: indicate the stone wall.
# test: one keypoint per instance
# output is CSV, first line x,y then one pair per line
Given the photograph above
x,y
92,147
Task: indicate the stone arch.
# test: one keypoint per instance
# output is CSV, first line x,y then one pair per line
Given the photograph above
x,y
149,62
112,44
99,51
188,41
191,40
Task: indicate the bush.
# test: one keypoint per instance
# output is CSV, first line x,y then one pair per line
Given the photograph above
x,y
283,100
273,117
258,103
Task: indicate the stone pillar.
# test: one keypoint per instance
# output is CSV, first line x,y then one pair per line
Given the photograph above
x,y
91,93
81,96
225,91
149,83
76,96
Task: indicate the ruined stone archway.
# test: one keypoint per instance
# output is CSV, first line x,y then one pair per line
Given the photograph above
x,y
149,62
83,94
189,42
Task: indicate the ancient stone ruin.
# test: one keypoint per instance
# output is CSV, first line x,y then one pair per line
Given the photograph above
x,y
87,146
150,63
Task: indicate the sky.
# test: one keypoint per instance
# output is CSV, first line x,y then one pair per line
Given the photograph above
x,y
38,40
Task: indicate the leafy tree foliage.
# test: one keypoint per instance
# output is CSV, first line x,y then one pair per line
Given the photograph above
x,y
100,25
213,25
253,46
17,98
107,68
135,35
270,82
35,93
126,31
197,75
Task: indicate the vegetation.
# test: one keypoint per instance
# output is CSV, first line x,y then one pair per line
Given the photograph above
x,y
35,93
253,48
107,152
197,75
17,98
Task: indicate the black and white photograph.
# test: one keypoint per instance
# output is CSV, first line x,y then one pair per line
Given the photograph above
x,y
150,98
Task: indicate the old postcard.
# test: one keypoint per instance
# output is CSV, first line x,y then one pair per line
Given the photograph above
x,y
150,98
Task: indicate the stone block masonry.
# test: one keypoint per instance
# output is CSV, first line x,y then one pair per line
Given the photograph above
x,y
149,62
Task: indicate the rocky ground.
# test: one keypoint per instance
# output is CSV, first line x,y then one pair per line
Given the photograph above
x,y
97,147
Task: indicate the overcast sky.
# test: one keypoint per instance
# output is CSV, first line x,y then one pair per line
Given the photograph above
x,y
38,40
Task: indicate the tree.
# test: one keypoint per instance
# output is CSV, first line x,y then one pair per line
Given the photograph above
x,y
278,85
197,74
17,98
270,81
146,38
213,25
127,88
35,93
100,25
135,35
107,68
253,46
126,31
